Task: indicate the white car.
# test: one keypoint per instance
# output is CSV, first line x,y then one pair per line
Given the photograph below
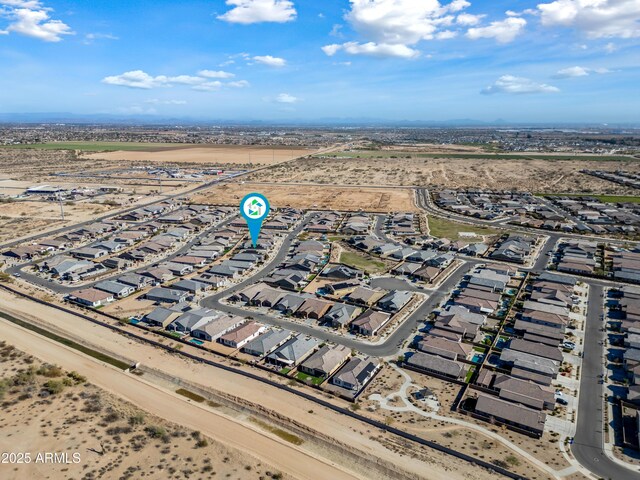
x,y
569,345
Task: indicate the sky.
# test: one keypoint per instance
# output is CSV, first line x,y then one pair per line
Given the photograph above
x,y
519,60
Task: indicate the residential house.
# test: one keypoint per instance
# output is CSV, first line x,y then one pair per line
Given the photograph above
x,y
325,361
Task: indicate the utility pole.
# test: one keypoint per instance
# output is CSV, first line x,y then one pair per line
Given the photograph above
x,y
61,207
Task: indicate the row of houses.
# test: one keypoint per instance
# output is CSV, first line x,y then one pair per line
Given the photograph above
x,y
402,224
446,349
304,260
621,177
60,243
577,256
592,215
516,389
363,310
487,204
278,348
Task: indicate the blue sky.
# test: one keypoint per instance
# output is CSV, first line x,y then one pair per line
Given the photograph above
x,y
518,60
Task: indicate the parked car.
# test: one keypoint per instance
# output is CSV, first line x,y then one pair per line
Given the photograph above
x,y
562,401
568,345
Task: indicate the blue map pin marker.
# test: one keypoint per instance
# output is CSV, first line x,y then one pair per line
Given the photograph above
x,y
254,208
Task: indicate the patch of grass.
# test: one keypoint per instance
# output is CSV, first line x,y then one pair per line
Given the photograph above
x,y
100,146
363,262
190,395
470,373
309,378
602,198
442,228
286,436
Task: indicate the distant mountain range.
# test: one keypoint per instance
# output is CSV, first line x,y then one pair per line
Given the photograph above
x,y
102,119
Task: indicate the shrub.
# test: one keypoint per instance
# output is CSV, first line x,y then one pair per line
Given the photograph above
x,y
54,387
77,378
137,419
50,371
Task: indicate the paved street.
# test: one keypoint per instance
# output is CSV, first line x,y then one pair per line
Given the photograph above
x,y
589,438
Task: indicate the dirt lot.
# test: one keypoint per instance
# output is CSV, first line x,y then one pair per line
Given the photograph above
x,y
23,218
112,438
210,154
323,197
539,176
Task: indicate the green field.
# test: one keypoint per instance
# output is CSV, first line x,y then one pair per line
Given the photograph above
x,y
602,198
363,262
101,146
442,228
478,156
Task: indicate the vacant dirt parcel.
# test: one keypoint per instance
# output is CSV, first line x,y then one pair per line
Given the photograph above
x,y
208,154
46,409
408,168
315,196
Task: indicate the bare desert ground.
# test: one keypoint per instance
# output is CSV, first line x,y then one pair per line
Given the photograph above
x,y
539,176
22,218
210,154
47,409
315,196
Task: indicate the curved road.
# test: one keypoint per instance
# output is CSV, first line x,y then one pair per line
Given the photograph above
x,y
390,346
588,445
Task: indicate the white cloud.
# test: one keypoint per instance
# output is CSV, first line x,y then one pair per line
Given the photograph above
x,y
518,85
141,79
401,21
469,20
503,31
573,72
446,34
133,79
392,28
215,74
270,61
89,38
31,18
372,49
238,84
155,101
257,11
181,80
208,86
595,18
286,98
610,47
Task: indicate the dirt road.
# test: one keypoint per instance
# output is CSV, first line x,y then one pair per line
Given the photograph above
x,y
169,405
